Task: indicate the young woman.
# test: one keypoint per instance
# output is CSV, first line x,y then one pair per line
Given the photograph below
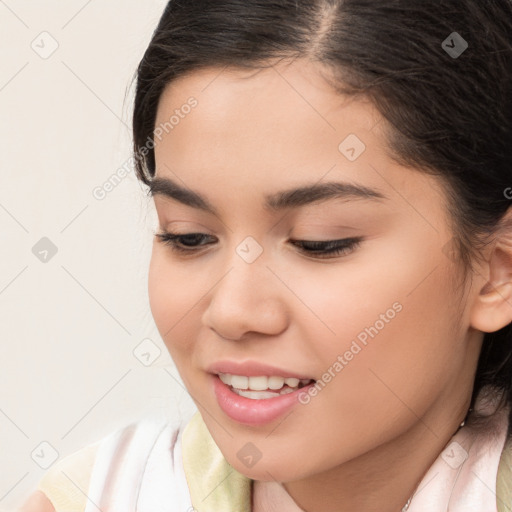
x,y
332,266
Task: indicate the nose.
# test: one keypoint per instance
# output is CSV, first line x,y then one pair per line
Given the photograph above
x,y
249,298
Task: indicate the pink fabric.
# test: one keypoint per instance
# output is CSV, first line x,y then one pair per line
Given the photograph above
x,y
462,478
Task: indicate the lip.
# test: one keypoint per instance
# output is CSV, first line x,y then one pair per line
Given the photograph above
x,y
254,412
253,369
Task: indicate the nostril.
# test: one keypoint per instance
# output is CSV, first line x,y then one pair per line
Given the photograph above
x,y
226,338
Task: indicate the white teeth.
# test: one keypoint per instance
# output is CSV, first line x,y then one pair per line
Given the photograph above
x,y
275,382
257,383
261,395
224,377
240,382
261,383
256,395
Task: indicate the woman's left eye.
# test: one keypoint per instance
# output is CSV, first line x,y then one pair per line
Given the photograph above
x,y
328,248
191,242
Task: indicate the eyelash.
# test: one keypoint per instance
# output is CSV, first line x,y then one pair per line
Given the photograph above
x,y
316,249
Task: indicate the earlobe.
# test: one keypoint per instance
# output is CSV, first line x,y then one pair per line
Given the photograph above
x,y
492,309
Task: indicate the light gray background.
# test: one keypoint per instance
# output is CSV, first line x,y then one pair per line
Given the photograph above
x,y
70,325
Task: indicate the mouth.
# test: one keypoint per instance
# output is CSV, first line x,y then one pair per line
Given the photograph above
x,y
257,400
262,387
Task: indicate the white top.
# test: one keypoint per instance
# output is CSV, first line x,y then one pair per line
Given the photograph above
x,y
140,467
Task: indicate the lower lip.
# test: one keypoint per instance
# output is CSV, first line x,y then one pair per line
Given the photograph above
x,y
254,412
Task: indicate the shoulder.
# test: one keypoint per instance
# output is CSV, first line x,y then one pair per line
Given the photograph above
x,y
67,484
64,485
37,502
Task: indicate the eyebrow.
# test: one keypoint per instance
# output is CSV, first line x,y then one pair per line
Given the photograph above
x,y
291,198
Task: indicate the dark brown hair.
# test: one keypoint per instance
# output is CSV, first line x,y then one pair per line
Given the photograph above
x,y
440,73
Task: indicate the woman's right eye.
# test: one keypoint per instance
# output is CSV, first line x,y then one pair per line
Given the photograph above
x,y
182,243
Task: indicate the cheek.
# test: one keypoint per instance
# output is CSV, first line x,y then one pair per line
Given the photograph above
x,y
406,361
392,322
351,295
161,297
172,297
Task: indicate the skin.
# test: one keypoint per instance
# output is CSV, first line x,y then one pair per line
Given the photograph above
x,y
37,502
365,441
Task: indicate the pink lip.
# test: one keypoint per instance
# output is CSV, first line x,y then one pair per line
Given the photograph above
x,y
253,412
252,369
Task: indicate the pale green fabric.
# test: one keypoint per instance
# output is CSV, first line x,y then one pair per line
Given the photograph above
x,y
214,485
66,483
504,480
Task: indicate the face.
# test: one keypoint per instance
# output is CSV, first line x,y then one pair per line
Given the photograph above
x,y
346,286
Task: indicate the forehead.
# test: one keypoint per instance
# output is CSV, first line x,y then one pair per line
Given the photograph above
x,y
284,112
271,129
274,76
284,92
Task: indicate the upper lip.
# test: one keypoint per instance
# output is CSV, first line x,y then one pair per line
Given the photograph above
x,y
253,369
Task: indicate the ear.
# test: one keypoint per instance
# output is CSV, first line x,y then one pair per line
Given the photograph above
x,y
492,308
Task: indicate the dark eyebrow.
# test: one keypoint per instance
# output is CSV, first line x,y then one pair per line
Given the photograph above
x,y
292,198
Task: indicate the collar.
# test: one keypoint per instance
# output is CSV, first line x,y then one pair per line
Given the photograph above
x,y
213,483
